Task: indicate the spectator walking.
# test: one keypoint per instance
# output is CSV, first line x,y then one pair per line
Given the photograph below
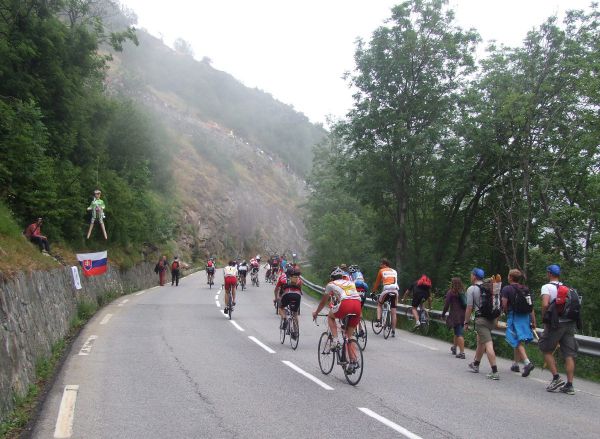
x,y
161,269
563,332
175,273
483,324
34,233
517,303
455,307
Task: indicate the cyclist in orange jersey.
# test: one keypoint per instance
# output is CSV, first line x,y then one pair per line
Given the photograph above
x,y
388,279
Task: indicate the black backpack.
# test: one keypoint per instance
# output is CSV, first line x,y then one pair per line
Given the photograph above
x,y
521,299
489,303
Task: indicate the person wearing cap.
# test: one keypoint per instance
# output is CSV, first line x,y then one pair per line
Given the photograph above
x,y
564,334
97,207
483,326
34,234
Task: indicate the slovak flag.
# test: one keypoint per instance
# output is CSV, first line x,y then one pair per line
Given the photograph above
x,y
93,264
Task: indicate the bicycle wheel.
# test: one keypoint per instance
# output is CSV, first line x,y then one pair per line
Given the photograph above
x,y
353,372
424,328
326,355
376,329
294,333
387,325
361,334
283,331
229,305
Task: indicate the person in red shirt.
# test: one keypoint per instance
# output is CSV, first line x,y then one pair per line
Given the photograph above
x,y
34,234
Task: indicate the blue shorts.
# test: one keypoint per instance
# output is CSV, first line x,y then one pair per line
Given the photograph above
x,y
459,330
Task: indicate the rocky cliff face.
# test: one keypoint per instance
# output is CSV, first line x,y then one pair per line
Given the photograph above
x,y
236,198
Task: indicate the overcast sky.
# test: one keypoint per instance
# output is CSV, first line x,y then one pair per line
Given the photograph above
x,y
298,50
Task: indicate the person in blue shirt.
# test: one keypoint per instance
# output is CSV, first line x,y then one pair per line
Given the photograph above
x,y
359,282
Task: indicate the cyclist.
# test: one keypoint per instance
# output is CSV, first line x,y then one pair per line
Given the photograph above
x,y
267,267
210,270
346,300
421,290
289,292
275,263
359,282
230,277
242,272
388,278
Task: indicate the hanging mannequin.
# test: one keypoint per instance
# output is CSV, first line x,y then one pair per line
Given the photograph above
x,y
97,207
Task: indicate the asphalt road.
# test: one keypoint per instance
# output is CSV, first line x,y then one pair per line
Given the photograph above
x,y
166,363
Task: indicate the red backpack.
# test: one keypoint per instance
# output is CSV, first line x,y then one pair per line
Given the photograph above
x,y
175,265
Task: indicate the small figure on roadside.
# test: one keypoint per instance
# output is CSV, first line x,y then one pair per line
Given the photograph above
x,y
161,269
175,273
97,207
559,327
455,304
479,296
34,233
517,303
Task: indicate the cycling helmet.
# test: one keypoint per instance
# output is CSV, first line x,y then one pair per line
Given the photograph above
x,y
337,273
353,269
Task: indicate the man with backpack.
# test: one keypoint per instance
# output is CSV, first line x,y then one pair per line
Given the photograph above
x,y
560,308
175,272
480,296
517,303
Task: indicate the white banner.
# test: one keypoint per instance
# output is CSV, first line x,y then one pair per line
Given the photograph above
x,y
76,279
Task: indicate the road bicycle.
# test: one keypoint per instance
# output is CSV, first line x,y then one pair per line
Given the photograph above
x,y
423,318
290,327
211,278
329,354
243,281
254,278
361,334
228,301
386,316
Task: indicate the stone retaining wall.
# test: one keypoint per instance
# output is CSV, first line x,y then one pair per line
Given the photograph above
x,y
36,310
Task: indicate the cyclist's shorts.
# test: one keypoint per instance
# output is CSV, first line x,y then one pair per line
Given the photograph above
x,y
210,270
349,306
390,296
230,282
291,299
419,297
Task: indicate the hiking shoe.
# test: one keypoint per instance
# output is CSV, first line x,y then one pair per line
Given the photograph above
x,y
453,350
393,333
568,389
474,369
515,368
555,384
493,376
461,355
527,369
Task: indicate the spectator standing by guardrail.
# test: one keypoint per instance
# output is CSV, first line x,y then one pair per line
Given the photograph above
x,y
563,333
456,316
517,303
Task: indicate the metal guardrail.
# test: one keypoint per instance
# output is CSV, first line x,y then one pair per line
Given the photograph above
x,y
587,345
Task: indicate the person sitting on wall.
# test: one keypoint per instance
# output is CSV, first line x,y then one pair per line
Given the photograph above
x,y
34,233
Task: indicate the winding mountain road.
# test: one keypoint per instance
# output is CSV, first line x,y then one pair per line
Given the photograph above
x,y
167,363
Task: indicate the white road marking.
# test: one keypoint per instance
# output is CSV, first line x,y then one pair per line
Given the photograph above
x,y
403,431
420,344
153,288
307,375
218,303
140,293
261,344
66,413
236,325
123,302
307,304
106,319
87,346
217,297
